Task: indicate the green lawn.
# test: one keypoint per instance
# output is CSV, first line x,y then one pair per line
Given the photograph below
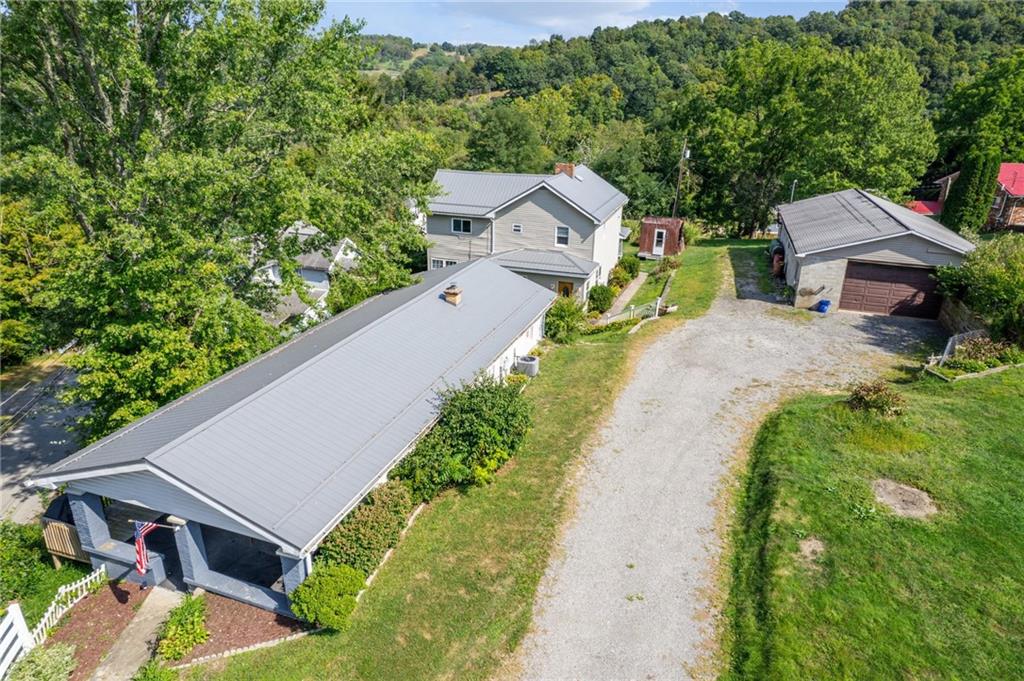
x,y
700,263
456,597
891,597
34,605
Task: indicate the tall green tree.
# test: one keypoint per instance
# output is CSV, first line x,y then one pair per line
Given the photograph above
x,y
970,197
183,138
507,141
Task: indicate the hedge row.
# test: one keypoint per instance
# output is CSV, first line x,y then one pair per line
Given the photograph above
x,y
362,539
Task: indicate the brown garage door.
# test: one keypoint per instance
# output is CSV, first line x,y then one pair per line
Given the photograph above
x,y
887,289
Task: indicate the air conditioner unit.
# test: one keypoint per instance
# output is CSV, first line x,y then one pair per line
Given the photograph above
x,y
528,364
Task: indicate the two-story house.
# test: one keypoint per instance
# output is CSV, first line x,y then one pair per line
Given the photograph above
x,y
561,231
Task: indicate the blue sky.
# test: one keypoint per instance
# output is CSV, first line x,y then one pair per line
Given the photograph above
x,y
516,23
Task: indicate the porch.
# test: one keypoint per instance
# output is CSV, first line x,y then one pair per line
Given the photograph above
x,y
183,553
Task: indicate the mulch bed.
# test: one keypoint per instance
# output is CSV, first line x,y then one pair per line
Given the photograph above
x,y
95,622
233,624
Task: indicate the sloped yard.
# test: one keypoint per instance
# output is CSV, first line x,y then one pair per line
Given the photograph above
x,y
830,583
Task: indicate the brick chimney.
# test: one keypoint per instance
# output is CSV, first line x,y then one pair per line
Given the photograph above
x,y
453,294
567,168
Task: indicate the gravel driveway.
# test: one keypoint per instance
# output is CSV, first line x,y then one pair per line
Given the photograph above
x,y
625,596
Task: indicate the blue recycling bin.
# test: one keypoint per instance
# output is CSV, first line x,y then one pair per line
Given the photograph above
x,y
823,306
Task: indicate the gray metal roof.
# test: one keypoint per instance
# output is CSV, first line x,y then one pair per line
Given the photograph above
x,y
316,260
295,438
545,262
852,216
479,194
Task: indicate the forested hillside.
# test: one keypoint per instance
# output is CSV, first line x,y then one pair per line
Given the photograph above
x,y
156,153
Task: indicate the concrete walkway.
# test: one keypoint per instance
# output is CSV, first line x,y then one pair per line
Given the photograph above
x,y
627,595
626,295
135,646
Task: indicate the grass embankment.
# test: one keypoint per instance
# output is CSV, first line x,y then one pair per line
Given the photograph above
x,y
890,597
456,597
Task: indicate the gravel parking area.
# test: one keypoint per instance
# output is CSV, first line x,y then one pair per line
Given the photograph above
x,y
627,596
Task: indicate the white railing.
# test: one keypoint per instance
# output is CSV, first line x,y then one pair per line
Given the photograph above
x,y
636,312
67,596
15,639
956,340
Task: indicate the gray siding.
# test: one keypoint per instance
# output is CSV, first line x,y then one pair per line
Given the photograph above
x,y
457,247
539,213
580,286
142,488
903,250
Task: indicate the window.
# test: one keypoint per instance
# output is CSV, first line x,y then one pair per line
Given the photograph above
x,y
462,226
561,235
518,229
438,263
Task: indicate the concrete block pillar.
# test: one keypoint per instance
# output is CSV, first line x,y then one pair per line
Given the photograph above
x,y
295,571
191,551
90,520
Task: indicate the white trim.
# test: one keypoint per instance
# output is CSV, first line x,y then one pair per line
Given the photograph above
x,y
455,231
545,185
51,481
568,236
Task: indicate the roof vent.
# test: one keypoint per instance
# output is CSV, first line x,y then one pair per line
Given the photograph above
x,y
453,294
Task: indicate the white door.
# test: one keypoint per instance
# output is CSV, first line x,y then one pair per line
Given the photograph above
x,y
659,242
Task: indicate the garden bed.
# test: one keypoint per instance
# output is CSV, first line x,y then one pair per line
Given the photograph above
x,y
94,624
233,625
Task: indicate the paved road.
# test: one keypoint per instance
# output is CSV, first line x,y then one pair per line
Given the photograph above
x,y
626,597
42,437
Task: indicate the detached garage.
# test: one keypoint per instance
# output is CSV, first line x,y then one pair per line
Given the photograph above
x,y
865,254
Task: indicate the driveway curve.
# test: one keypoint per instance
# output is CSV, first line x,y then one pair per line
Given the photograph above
x,y
626,595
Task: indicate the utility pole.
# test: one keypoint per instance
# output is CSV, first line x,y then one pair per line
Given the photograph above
x,y
792,191
683,158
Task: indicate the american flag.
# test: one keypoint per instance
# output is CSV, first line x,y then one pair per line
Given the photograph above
x,y
141,557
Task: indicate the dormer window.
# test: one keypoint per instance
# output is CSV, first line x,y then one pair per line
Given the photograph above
x,y
462,226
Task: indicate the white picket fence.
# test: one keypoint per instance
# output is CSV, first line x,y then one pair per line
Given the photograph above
x,y
15,638
67,596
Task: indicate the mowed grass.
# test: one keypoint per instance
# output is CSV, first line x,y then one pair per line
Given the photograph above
x,y
891,597
690,288
456,597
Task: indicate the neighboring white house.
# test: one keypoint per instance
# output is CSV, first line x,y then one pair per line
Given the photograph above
x,y
571,220
315,269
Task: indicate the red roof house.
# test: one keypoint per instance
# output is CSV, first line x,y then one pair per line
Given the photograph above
x,y
1008,201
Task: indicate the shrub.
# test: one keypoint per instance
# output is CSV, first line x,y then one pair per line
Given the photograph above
x,y
328,596
978,354
601,298
480,426
614,326
693,233
667,264
154,671
54,662
362,538
17,341
619,276
878,397
184,629
991,282
565,320
517,380
24,559
631,264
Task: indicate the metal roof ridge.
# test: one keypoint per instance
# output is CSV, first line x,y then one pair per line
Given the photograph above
x,y
291,373
875,202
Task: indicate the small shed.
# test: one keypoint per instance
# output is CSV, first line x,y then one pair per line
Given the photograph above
x,y
660,237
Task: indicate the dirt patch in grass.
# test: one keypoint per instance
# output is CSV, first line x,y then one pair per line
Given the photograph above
x,y
233,624
903,500
94,624
811,549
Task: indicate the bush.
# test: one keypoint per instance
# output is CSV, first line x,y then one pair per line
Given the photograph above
x,y
601,298
480,426
614,326
54,662
878,397
24,559
693,233
362,538
17,341
631,264
328,596
979,354
154,671
991,282
619,276
565,320
517,380
184,629
667,264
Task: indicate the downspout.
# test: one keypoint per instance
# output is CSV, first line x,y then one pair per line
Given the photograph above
x,y
492,236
